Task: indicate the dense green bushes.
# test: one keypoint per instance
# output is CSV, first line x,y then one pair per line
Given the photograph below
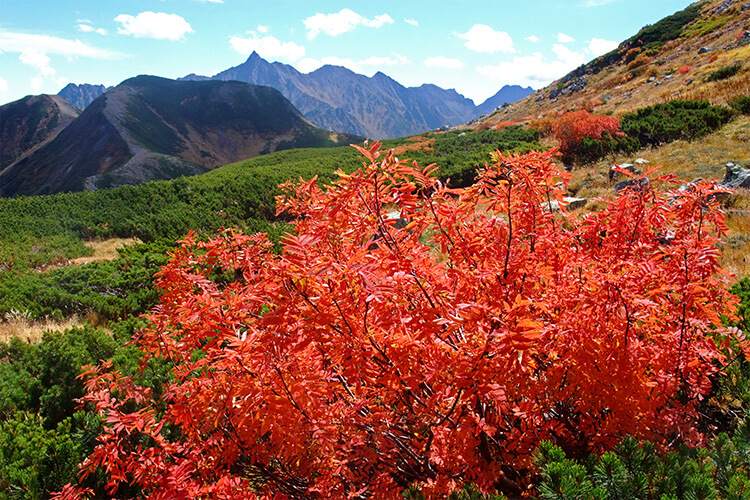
x,y
741,104
723,73
459,154
637,471
42,438
109,290
667,29
674,120
591,149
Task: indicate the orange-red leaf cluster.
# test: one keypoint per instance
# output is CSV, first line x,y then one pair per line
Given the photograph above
x,y
372,355
573,126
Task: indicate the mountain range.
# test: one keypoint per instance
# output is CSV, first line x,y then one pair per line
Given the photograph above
x,y
378,107
335,98
146,128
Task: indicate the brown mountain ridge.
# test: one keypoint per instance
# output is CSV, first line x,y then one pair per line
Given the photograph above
x,y
150,128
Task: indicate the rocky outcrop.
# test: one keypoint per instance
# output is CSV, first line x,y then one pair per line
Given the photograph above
x,y
570,204
81,95
736,177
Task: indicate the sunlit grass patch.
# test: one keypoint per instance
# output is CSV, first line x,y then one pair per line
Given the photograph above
x,y
19,324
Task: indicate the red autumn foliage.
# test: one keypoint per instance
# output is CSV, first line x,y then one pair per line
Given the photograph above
x,y
367,356
684,70
505,124
573,126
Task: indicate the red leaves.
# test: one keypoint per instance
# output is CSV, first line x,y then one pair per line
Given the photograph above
x,y
573,126
368,356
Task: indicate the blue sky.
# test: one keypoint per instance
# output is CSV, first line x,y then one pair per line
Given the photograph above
x,y
474,46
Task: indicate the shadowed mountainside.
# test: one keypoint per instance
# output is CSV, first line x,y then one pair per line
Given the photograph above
x,y
29,123
150,128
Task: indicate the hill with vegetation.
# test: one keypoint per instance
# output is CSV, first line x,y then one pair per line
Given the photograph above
x,y
29,123
698,53
150,128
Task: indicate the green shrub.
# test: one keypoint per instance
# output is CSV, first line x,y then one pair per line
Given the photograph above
x,y
705,26
741,104
723,73
636,471
590,150
667,29
670,121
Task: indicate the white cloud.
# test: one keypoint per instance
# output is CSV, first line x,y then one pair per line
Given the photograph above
x,y
563,38
482,38
341,22
568,57
443,62
263,29
41,63
51,45
413,22
396,60
268,47
345,62
599,46
532,38
534,71
379,21
38,61
36,84
211,1
3,84
158,25
308,65
87,28
597,3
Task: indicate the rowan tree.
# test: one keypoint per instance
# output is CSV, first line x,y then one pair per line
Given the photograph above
x,y
371,355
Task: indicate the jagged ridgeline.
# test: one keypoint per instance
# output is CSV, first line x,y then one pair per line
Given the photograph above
x,y
150,128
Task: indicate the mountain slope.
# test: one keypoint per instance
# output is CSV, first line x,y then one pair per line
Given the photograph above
x,y
335,98
151,128
506,95
673,58
81,95
29,122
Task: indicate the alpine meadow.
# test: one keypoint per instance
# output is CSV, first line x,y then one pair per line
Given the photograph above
x,y
294,282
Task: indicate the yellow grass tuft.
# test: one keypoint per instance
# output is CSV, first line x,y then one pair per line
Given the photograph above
x,y
105,249
18,324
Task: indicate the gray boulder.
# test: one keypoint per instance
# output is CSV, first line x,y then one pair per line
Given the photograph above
x,y
736,177
614,174
634,184
569,202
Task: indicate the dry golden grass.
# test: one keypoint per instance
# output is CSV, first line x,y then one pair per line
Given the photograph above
x,y
105,249
626,90
17,324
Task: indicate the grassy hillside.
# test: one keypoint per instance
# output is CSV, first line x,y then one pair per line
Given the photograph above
x,y
684,56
